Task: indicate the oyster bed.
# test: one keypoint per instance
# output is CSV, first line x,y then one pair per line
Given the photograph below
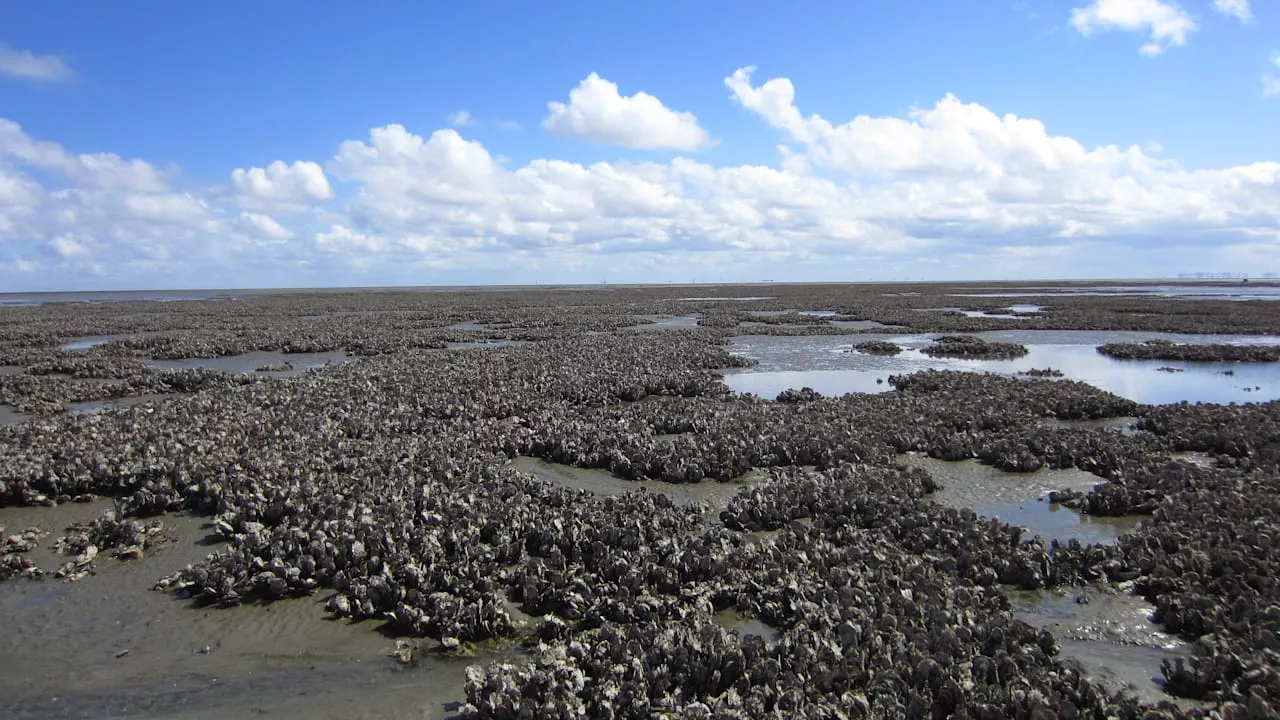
x,y
475,507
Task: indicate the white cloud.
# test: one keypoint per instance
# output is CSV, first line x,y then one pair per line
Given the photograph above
x,y
967,187
282,186
341,239
1238,9
25,65
264,226
460,118
1167,24
1271,79
597,113
66,246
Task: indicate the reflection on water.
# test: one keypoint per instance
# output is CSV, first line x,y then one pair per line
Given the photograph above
x,y
824,364
88,341
1110,636
1185,292
281,364
1021,498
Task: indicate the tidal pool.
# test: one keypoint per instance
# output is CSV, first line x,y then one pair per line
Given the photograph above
x,y
825,364
747,625
1239,291
9,416
92,407
1021,499
88,341
664,322
251,361
1111,637
108,646
710,493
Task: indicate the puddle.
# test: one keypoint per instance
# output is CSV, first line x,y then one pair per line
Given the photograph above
x,y
93,407
1020,499
664,322
823,363
1111,637
1123,425
484,344
747,298
469,325
856,324
9,416
6,370
975,313
1025,308
285,659
88,341
1238,291
746,625
252,361
715,495
1199,459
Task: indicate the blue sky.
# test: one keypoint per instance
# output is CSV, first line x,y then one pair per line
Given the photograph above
x,y
150,145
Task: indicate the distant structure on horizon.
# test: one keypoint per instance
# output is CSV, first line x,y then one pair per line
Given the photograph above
x,y
1227,276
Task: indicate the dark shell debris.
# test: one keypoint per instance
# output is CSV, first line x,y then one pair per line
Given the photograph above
x,y
386,486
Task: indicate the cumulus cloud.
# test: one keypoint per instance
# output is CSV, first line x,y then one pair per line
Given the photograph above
x,y
460,118
1167,24
282,186
1238,9
597,113
25,65
264,226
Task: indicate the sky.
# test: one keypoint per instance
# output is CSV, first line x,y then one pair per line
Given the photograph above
x,y
242,144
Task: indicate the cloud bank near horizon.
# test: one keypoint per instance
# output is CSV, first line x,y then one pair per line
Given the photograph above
x,y
955,190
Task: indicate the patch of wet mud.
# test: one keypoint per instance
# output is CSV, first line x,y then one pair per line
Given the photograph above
x,y
282,365
108,646
1021,499
1111,637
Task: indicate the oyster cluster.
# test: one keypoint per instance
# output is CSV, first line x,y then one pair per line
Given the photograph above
x,y
386,486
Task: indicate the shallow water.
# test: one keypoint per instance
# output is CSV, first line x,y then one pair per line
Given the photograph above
x,y
664,322
468,325
9,416
1240,291
250,362
1021,498
92,407
1123,425
286,658
746,625
715,495
1111,637
822,363
473,344
88,341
